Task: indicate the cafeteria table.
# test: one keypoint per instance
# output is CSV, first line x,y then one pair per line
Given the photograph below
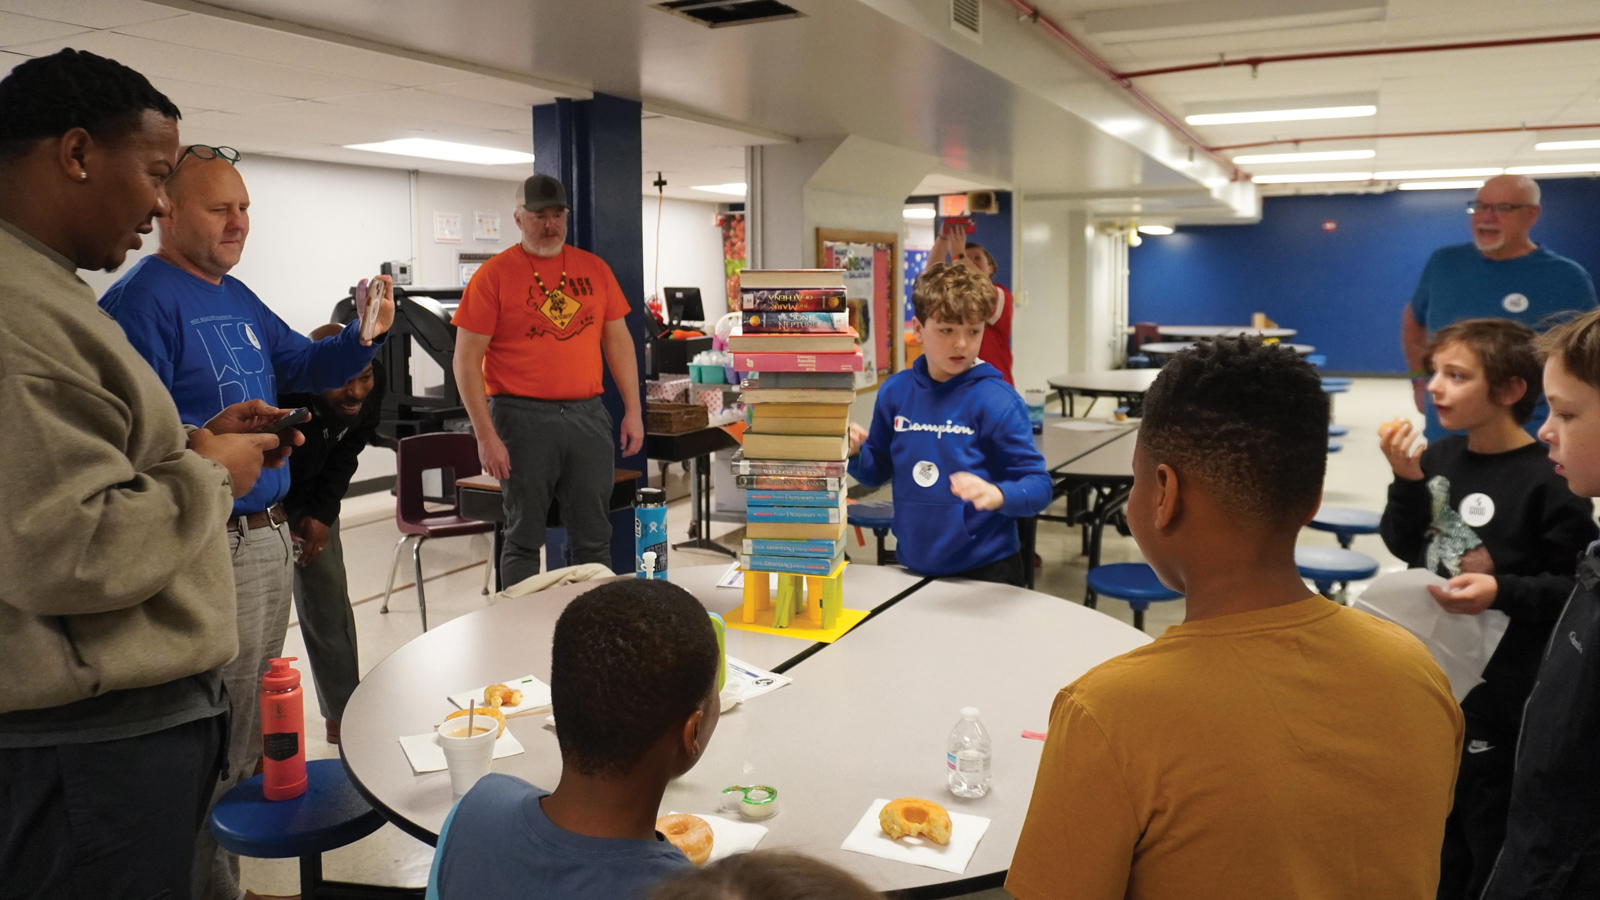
x,y
1216,331
865,717
1127,385
1172,348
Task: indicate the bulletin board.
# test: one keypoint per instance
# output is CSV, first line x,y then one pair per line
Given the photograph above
x,y
870,260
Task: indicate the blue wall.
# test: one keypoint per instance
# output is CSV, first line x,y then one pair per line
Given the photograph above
x,y
1343,289
992,231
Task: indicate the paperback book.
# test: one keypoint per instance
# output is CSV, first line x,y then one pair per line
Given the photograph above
x,y
843,341
838,381
823,549
793,565
830,323
833,499
794,514
789,483
794,531
830,363
744,464
793,299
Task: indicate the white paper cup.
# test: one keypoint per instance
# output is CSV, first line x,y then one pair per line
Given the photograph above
x,y
467,756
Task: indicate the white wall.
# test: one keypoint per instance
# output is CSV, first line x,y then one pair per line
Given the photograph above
x,y
1039,326
436,263
691,250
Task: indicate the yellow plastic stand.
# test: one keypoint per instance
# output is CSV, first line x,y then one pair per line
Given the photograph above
x,y
820,598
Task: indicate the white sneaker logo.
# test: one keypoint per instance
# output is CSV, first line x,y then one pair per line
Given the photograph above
x,y
1479,746
1573,637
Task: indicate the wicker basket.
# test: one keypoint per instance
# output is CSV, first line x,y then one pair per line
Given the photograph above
x,y
675,418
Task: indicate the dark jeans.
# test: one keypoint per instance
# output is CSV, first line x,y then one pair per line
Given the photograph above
x,y
563,450
108,819
1476,826
1008,570
328,625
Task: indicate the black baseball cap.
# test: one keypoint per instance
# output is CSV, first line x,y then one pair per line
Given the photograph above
x,y
542,192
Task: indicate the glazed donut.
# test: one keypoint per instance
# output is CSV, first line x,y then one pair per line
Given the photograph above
x,y
487,712
911,817
500,695
688,833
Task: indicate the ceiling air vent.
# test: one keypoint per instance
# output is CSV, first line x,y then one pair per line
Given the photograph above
x,y
966,16
726,13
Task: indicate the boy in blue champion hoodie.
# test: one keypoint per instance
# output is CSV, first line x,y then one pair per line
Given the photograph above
x,y
956,440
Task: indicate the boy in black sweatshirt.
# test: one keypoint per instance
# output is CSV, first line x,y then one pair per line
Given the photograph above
x,y
1487,511
1552,842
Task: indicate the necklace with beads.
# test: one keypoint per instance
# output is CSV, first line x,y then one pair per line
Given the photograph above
x,y
558,306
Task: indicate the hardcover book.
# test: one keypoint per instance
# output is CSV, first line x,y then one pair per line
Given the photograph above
x,y
795,322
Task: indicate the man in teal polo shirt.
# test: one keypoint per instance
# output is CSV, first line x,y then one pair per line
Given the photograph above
x,y
1501,274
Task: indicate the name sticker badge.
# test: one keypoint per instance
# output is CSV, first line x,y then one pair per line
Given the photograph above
x,y
1515,303
1477,509
925,474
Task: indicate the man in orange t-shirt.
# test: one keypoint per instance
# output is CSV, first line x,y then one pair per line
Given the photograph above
x,y
532,328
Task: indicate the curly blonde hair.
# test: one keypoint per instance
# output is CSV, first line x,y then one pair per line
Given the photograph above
x,y
953,292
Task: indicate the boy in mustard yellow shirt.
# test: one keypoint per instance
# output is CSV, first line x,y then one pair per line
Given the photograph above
x,y
1274,745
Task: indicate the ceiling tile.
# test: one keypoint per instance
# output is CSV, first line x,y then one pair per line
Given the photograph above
x,y
153,58
15,29
282,48
404,104
91,13
496,90
192,97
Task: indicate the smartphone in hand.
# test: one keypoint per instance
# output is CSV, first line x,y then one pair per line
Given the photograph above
x,y
290,419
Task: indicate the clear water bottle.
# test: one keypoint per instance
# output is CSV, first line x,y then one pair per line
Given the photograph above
x,y
967,754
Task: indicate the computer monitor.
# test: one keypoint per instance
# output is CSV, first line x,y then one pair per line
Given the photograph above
x,y
683,303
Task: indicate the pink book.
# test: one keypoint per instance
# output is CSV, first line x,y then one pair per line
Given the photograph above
x,y
798,362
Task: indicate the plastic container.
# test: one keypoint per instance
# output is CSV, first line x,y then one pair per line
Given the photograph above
x,y
283,732
650,533
1035,401
967,754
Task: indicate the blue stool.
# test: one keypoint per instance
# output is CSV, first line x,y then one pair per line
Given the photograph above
x,y
1346,523
1337,431
1133,583
1138,361
877,515
1336,381
1327,566
1317,360
1336,388
329,815
1335,446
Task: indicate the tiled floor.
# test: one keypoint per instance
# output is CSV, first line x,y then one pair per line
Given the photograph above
x,y
1357,476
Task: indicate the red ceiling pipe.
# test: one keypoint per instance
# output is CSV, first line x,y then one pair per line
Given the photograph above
x,y
1056,31
1257,61
1402,134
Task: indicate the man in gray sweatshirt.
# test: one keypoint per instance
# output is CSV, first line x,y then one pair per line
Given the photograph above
x,y
116,591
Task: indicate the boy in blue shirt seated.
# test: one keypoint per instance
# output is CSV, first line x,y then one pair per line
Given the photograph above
x,y
633,682
956,440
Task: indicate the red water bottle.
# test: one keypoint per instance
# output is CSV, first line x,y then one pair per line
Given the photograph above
x,y
283,737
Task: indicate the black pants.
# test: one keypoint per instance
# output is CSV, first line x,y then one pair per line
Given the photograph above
x,y
1476,826
109,819
1010,570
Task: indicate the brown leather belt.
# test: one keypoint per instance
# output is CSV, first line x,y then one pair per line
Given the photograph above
x,y
272,517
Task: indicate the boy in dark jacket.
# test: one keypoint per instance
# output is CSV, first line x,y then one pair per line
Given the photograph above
x,y
1488,511
956,440
1552,843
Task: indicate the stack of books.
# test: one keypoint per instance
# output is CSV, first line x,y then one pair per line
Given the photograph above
x,y
797,358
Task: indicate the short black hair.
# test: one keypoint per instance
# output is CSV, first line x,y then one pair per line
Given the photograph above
x,y
1248,419
630,659
766,875
51,95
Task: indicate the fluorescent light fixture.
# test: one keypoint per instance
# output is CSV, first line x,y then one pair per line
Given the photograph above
x,y
1312,179
732,189
1282,115
447,151
1436,173
1554,170
1315,156
1567,145
919,212
1440,185
1155,229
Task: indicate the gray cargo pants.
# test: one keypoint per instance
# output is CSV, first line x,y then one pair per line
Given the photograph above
x,y
561,449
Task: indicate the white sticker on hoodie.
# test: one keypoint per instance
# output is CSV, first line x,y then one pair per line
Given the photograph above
x,y
925,474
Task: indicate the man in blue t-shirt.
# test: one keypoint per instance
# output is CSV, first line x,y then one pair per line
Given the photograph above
x,y
1501,274
213,343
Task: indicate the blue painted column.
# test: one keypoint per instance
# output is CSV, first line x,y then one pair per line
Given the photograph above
x,y
593,147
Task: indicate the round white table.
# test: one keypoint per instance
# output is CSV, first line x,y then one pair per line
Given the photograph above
x,y
1128,385
1216,331
1170,348
865,718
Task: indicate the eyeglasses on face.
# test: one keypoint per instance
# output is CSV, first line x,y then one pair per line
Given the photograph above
x,y
1499,209
206,151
